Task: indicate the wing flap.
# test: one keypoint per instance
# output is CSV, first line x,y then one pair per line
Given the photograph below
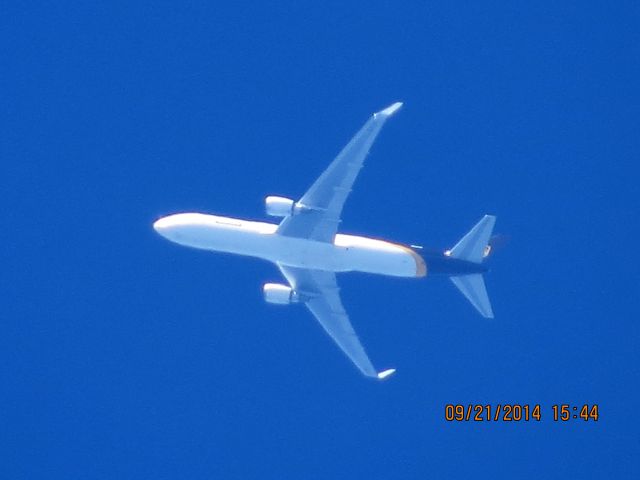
x,y
323,300
337,325
320,208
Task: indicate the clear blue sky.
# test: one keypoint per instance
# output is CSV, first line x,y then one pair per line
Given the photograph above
x,y
124,356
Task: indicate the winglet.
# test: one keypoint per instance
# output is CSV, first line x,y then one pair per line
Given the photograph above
x,y
386,373
390,110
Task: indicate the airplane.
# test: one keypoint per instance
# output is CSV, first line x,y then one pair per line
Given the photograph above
x,y
309,251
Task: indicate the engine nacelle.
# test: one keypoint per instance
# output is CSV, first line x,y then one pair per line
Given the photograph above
x,y
279,294
279,206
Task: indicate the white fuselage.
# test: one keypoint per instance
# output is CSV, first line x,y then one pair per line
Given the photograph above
x,y
259,239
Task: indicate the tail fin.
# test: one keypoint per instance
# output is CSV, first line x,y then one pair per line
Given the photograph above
x,y
474,247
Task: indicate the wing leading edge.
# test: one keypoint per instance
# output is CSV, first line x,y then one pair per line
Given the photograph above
x,y
319,210
319,291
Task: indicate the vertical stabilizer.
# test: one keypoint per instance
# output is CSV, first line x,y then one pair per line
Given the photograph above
x,y
472,287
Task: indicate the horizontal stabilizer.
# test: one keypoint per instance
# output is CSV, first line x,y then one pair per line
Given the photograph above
x,y
472,287
472,246
386,373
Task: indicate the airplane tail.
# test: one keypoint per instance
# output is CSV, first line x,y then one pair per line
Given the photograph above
x,y
474,247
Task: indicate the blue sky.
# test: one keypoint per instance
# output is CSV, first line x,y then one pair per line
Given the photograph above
x,y
124,356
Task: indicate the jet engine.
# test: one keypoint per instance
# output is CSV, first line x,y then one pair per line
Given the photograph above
x,y
279,206
279,294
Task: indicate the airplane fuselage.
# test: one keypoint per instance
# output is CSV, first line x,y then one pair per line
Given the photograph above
x,y
348,253
259,239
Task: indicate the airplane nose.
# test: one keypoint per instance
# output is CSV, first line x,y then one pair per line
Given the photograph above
x,y
157,225
161,225
174,228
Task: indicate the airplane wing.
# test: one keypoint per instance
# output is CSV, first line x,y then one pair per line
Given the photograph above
x,y
319,210
320,293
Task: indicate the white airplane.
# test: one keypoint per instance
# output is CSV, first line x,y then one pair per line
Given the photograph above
x,y
308,250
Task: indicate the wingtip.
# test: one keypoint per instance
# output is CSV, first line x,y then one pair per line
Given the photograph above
x,y
390,110
386,373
